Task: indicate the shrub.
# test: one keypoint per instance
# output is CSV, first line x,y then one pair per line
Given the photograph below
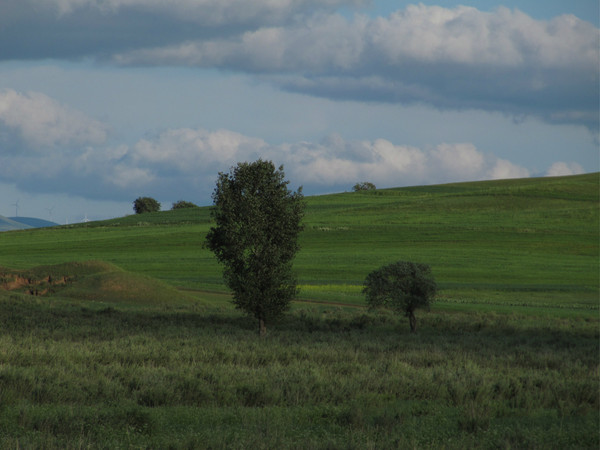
x,y
183,204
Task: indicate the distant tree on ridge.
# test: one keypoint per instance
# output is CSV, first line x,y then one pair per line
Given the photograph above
x,y
183,204
364,186
143,205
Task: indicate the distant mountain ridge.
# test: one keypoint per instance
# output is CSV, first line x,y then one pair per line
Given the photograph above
x,y
23,223
8,225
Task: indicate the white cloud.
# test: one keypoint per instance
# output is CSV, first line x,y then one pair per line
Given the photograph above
x,y
179,161
503,38
504,169
125,177
333,162
563,168
458,160
40,121
449,58
419,34
182,160
191,150
347,162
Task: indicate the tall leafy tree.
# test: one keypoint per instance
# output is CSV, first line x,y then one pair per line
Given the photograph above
x,y
403,286
258,220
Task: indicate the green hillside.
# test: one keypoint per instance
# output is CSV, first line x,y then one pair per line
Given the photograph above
x,y
527,242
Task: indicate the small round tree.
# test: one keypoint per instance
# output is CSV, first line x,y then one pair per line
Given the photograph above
x,y
403,286
145,204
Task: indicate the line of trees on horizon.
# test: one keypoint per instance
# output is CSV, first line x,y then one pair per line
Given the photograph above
x,y
142,205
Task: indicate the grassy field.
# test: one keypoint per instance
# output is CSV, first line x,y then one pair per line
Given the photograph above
x,y
142,349
533,240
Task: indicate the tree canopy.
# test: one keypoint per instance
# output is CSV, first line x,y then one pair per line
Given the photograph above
x,y
403,286
145,204
181,204
257,223
364,186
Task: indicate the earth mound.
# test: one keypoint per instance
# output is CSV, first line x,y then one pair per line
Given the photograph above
x,y
90,280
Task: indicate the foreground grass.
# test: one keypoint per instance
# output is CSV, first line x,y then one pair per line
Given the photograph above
x,y
76,374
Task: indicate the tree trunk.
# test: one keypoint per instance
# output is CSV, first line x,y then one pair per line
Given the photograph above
x,y
413,321
262,328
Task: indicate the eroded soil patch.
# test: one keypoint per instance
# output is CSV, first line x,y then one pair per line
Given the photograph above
x,y
30,284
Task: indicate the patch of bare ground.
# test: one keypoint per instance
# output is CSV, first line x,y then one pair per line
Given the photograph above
x,y
27,284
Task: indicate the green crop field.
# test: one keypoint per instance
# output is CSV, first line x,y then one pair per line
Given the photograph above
x,y
134,343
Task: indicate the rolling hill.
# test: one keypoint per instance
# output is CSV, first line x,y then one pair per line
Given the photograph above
x,y
493,244
90,281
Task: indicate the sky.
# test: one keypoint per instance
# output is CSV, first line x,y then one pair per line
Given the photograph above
x,y
104,101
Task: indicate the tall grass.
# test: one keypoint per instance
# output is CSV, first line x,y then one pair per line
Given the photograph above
x,y
74,375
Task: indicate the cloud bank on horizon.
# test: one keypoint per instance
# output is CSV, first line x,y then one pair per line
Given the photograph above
x,y
65,150
450,59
